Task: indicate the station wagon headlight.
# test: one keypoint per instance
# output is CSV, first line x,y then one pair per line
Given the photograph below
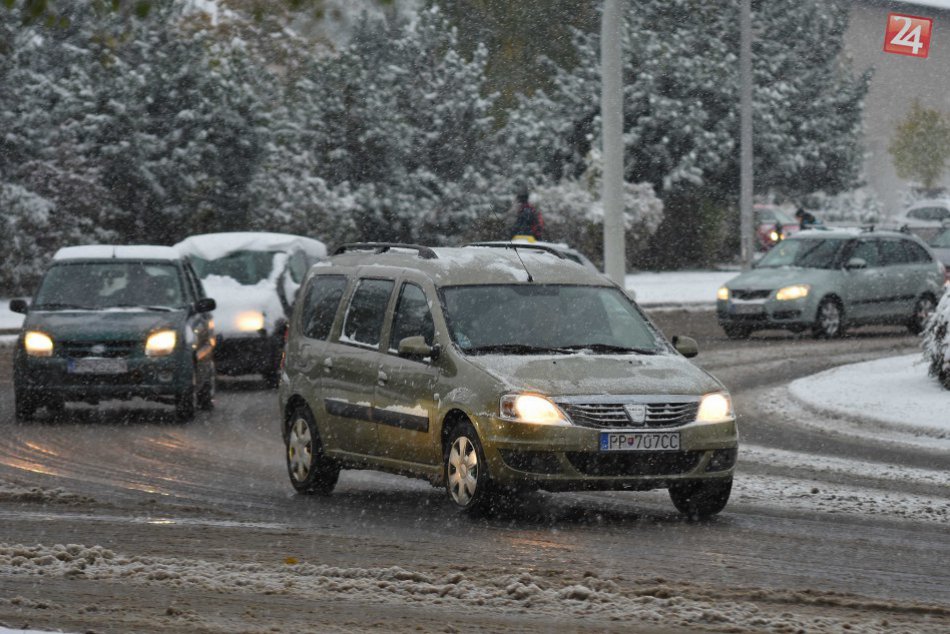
x,y
38,344
798,291
722,293
715,408
250,321
161,343
531,408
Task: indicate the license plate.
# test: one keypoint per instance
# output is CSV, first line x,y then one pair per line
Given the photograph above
x,y
639,441
747,309
97,365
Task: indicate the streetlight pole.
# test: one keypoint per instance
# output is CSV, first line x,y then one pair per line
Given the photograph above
x,y
611,114
745,134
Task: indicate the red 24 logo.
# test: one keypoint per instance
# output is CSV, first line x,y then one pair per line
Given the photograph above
x,y
907,35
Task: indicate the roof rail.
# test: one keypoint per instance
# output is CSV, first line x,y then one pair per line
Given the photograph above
x,y
382,247
513,245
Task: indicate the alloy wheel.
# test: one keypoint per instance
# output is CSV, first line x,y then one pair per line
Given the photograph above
x,y
463,471
300,450
829,319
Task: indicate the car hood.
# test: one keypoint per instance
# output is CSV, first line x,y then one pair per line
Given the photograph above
x,y
943,254
762,279
101,325
590,374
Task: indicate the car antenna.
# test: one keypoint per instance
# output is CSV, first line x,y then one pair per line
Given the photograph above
x,y
491,208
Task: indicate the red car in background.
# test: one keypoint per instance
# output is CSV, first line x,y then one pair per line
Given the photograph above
x,y
769,222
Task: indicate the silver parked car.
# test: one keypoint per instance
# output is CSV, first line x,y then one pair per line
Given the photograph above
x,y
828,280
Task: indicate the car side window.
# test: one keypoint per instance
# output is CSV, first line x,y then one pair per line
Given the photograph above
x,y
320,305
916,254
867,251
363,323
893,253
412,318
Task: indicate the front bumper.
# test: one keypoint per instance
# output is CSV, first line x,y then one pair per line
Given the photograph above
x,y
146,378
557,458
768,313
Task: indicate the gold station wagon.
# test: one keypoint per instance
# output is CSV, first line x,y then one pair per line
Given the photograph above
x,y
493,369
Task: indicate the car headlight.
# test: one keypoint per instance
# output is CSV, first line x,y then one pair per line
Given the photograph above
x,y
722,293
530,408
161,343
797,291
250,321
38,344
715,408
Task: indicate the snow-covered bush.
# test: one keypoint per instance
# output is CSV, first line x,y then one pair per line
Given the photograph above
x,y
936,342
24,235
857,207
574,212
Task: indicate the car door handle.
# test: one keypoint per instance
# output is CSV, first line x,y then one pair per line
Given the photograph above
x,y
381,377
328,364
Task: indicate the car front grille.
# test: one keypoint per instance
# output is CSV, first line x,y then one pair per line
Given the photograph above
x,y
634,463
105,349
746,294
614,415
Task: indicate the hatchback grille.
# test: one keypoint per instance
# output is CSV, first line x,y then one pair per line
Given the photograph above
x,y
634,464
613,415
741,294
106,349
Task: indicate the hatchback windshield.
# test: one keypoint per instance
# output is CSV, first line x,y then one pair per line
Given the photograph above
x,y
97,285
522,318
810,253
247,267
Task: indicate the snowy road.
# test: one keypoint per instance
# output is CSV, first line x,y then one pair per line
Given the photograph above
x,y
121,521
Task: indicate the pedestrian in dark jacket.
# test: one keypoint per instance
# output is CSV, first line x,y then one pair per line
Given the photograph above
x,y
528,220
805,219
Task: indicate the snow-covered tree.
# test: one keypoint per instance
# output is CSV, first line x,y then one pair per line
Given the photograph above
x,y
681,102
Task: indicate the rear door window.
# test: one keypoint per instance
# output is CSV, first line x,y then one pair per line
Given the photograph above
x,y
320,305
363,323
916,254
893,253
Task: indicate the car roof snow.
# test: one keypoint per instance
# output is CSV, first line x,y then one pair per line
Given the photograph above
x,y
117,252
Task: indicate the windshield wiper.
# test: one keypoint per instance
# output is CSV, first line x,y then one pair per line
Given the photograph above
x,y
61,305
164,309
513,348
606,347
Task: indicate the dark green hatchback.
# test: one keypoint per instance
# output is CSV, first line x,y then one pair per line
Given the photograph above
x,y
115,322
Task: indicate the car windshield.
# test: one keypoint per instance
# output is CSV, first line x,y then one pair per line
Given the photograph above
x,y
247,267
99,285
808,253
531,318
942,241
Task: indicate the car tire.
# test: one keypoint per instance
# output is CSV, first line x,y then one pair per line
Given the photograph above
x,y
186,401
311,471
923,308
735,332
829,320
205,398
24,406
465,470
699,499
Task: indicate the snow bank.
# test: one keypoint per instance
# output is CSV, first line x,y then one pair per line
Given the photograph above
x,y
895,391
647,601
678,288
9,319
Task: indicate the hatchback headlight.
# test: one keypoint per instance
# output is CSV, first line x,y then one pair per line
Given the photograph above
x,y
531,408
798,291
722,293
161,343
38,344
715,408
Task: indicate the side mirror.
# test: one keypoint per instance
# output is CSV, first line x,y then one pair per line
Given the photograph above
x,y
856,263
686,346
205,305
19,306
417,348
